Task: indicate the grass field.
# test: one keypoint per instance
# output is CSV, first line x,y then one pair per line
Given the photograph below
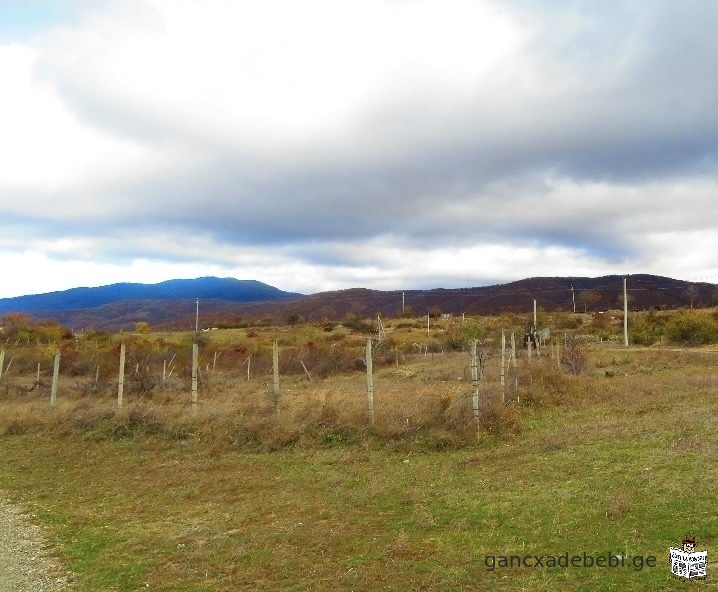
x,y
618,460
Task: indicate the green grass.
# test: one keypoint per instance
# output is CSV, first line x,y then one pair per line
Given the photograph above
x,y
626,465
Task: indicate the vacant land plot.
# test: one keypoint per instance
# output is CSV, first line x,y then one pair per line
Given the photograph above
x,y
613,466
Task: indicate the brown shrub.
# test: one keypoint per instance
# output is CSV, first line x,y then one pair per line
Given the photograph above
x,y
499,419
573,356
541,386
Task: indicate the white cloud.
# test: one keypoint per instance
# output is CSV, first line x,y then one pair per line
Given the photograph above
x,y
382,143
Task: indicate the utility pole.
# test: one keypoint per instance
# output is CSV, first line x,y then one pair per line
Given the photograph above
x,y
573,297
625,313
196,319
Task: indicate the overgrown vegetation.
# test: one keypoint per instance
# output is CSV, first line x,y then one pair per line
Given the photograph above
x,y
238,498
694,328
588,452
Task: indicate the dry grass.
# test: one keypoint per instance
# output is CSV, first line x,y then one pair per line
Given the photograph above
x,y
242,497
421,400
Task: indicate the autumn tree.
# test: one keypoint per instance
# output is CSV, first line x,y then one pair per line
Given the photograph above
x,y
588,298
17,325
691,292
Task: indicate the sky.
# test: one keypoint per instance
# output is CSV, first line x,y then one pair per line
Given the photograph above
x,y
329,144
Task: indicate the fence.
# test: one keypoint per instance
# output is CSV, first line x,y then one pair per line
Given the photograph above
x,y
138,369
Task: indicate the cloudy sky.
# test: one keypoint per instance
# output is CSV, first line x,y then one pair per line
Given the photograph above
x,y
328,144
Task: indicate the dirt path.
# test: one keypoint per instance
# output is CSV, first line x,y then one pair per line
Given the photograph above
x,y
26,564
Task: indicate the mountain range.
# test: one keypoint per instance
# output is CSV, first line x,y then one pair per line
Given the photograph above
x,y
230,302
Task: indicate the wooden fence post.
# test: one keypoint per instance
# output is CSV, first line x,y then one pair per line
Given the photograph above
x,y
275,374
558,355
121,380
475,385
503,365
2,361
309,376
195,366
513,361
55,377
529,349
369,381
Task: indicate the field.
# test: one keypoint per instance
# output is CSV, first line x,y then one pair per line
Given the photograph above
x,y
612,464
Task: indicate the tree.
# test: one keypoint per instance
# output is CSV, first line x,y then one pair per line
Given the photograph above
x,y
691,292
17,320
50,331
588,298
620,303
295,319
17,325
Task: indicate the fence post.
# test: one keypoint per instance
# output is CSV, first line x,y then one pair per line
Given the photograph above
x,y
503,365
309,376
558,355
2,361
55,376
529,349
513,361
369,381
275,374
475,385
195,365
121,380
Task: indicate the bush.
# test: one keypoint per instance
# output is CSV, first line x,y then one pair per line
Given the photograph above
x,y
646,329
353,322
573,358
692,328
544,386
498,419
458,340
569,321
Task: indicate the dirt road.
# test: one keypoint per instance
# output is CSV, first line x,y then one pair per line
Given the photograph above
x,y
26,563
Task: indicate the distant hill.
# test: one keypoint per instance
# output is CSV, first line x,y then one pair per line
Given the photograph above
x,y
551,293
231,302
108,305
